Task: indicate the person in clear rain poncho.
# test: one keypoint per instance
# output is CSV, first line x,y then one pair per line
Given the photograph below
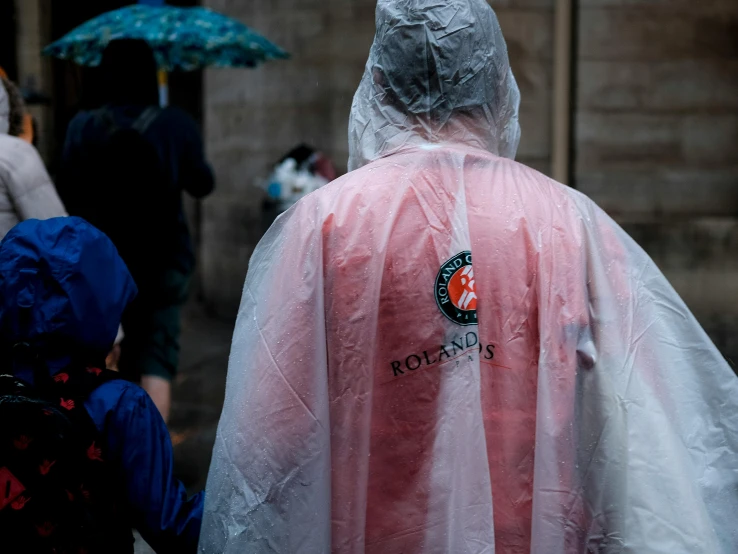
x,y
446,351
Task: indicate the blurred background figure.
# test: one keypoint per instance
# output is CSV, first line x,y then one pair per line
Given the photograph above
x,y
124,168
125,164
26,190
300,172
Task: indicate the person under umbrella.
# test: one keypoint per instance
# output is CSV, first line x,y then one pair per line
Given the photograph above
x,y
124,169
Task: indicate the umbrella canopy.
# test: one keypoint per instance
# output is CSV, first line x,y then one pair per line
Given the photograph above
x,y
181,38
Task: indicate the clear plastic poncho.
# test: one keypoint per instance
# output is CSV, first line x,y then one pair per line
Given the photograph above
x,y
447,352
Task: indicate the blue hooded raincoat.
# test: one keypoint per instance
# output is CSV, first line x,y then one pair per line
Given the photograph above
x,y
73,287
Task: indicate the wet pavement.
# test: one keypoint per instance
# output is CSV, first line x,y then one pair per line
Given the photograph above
x,y
197,397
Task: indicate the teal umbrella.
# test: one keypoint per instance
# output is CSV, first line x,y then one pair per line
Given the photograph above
x,y
181,38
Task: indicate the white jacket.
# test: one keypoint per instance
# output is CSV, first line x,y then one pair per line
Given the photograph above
x,y
26,190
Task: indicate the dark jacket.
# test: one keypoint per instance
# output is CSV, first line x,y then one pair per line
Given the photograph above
x,y
178,144
63,289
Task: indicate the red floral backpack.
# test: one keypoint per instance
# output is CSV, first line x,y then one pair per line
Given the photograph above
x,y
57,493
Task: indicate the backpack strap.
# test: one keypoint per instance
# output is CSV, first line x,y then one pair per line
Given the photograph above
x,y
144,121
105,117
140,125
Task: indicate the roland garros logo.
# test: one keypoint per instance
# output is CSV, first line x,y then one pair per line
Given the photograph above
x,y
455,290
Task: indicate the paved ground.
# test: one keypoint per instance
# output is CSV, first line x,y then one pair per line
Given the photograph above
x,y
197,397
198,394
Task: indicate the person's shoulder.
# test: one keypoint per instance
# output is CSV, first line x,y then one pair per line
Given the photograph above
x,y
8,142
15,143
564,205
356,181
83,125
173,123
16,153
116,396
84,117
526,177
124,415
122,387
519,172
175,116
175,112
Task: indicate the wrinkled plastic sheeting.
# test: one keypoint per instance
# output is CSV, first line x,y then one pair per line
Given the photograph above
x,y
438,71
587,411
562,400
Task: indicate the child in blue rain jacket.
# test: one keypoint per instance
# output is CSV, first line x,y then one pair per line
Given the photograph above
x,y
74,287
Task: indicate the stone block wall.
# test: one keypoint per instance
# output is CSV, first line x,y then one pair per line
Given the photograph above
x,y
253,117
33,32
528,27
657,140
656,132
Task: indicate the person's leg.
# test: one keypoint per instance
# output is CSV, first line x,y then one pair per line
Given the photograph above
x,y
150,350
153,353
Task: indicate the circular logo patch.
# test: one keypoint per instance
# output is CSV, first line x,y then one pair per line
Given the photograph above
x,y
455,290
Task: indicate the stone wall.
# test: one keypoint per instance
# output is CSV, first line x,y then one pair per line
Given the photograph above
x,y
33,32
253,117
528,27
657,140
656,113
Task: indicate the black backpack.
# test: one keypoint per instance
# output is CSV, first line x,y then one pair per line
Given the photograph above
x,y
57,492
122,188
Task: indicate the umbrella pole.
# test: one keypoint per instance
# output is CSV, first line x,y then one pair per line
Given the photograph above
x,y
163,78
